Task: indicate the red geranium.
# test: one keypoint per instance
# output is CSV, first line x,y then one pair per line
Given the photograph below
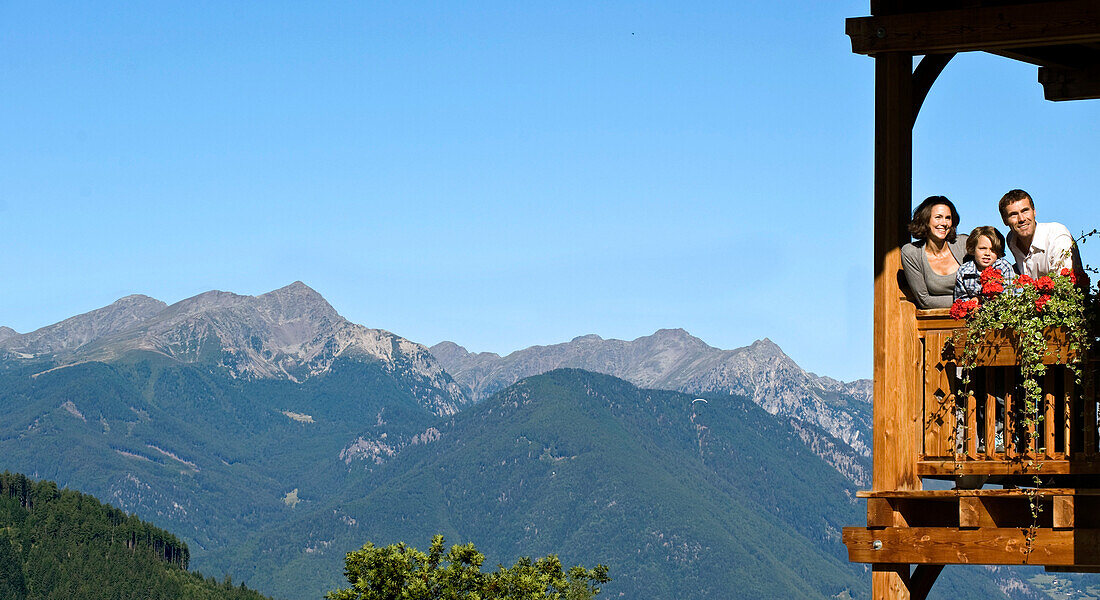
x,y
991,274
962,309
1072,276
1045,284
1041,302
1024,280
992,287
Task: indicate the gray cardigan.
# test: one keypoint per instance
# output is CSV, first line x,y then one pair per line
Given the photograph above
x,y
912,264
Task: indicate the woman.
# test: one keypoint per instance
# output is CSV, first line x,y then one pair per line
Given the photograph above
x,y
930,262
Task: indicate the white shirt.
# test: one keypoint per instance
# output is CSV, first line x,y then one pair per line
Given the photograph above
x,y
1051,251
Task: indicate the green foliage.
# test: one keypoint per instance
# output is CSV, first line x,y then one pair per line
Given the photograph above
x,y
683,501
177,443
398,572
62,544
1025,311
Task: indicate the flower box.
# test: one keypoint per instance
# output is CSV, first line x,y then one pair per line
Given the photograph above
x,y
999,347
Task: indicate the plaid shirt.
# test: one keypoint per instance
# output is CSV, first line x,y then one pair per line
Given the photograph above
x,y
967,284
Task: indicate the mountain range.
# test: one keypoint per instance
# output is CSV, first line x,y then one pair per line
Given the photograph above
x,y
273,435
673,359
293,334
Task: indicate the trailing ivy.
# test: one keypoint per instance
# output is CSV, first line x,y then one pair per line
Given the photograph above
x,y
1023,312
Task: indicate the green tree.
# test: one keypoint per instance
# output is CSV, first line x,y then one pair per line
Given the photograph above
x,y
11,571
398,572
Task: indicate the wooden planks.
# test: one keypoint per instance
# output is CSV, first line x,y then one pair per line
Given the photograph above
x,y
987,545
999,348
985,493
981,28
1018,466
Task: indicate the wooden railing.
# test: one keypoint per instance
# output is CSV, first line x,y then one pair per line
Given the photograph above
x,y
982,429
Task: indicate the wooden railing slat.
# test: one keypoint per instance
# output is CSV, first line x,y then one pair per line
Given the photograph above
x,y
960,427
1089,425
1010,411
990,425
1048,414
971,425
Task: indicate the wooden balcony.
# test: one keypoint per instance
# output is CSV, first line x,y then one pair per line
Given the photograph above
x,y
1023,494
980,429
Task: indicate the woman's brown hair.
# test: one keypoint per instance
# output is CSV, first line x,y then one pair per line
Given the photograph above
x,y
918,227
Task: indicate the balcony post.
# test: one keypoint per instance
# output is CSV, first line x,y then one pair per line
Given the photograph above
x,y
896,356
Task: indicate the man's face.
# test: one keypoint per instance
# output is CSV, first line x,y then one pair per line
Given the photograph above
x,y
1020,217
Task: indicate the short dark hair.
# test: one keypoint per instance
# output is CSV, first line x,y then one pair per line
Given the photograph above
x,y
918,227
1014,196
995,238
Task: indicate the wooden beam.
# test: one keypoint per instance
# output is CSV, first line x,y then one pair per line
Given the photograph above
x,y
1068,56
896,416
984,493
947,468
972,513
988,546
890,582
1070,84
980,28
925,75
1073,569
895,419
881,512
1063,515
920,582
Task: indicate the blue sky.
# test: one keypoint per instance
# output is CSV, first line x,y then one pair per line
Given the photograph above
x,y
496,174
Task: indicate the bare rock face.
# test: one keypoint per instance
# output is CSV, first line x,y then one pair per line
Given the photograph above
x,y
74,332
673,359
7,332
290,333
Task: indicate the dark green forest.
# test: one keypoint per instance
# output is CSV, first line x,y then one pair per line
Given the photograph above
x,y
61,544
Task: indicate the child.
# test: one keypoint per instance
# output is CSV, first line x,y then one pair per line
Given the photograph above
x,y
986,246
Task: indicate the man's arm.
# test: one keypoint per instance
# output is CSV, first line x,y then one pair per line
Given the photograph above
x,y
1059,249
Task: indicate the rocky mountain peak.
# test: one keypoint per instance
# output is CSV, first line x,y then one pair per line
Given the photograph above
x,y
766,349
674,338
298,297
7,332
449,349
76,332
289,333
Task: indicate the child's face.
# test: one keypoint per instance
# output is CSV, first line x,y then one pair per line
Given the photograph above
x,y
983,253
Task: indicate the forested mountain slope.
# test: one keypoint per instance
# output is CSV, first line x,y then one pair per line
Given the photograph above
x,y
681,498
193,449
64,544
673,359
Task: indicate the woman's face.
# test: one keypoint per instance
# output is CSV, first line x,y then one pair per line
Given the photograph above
x,y
939,223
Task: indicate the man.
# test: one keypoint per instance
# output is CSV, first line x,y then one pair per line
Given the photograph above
x,y
1039,248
